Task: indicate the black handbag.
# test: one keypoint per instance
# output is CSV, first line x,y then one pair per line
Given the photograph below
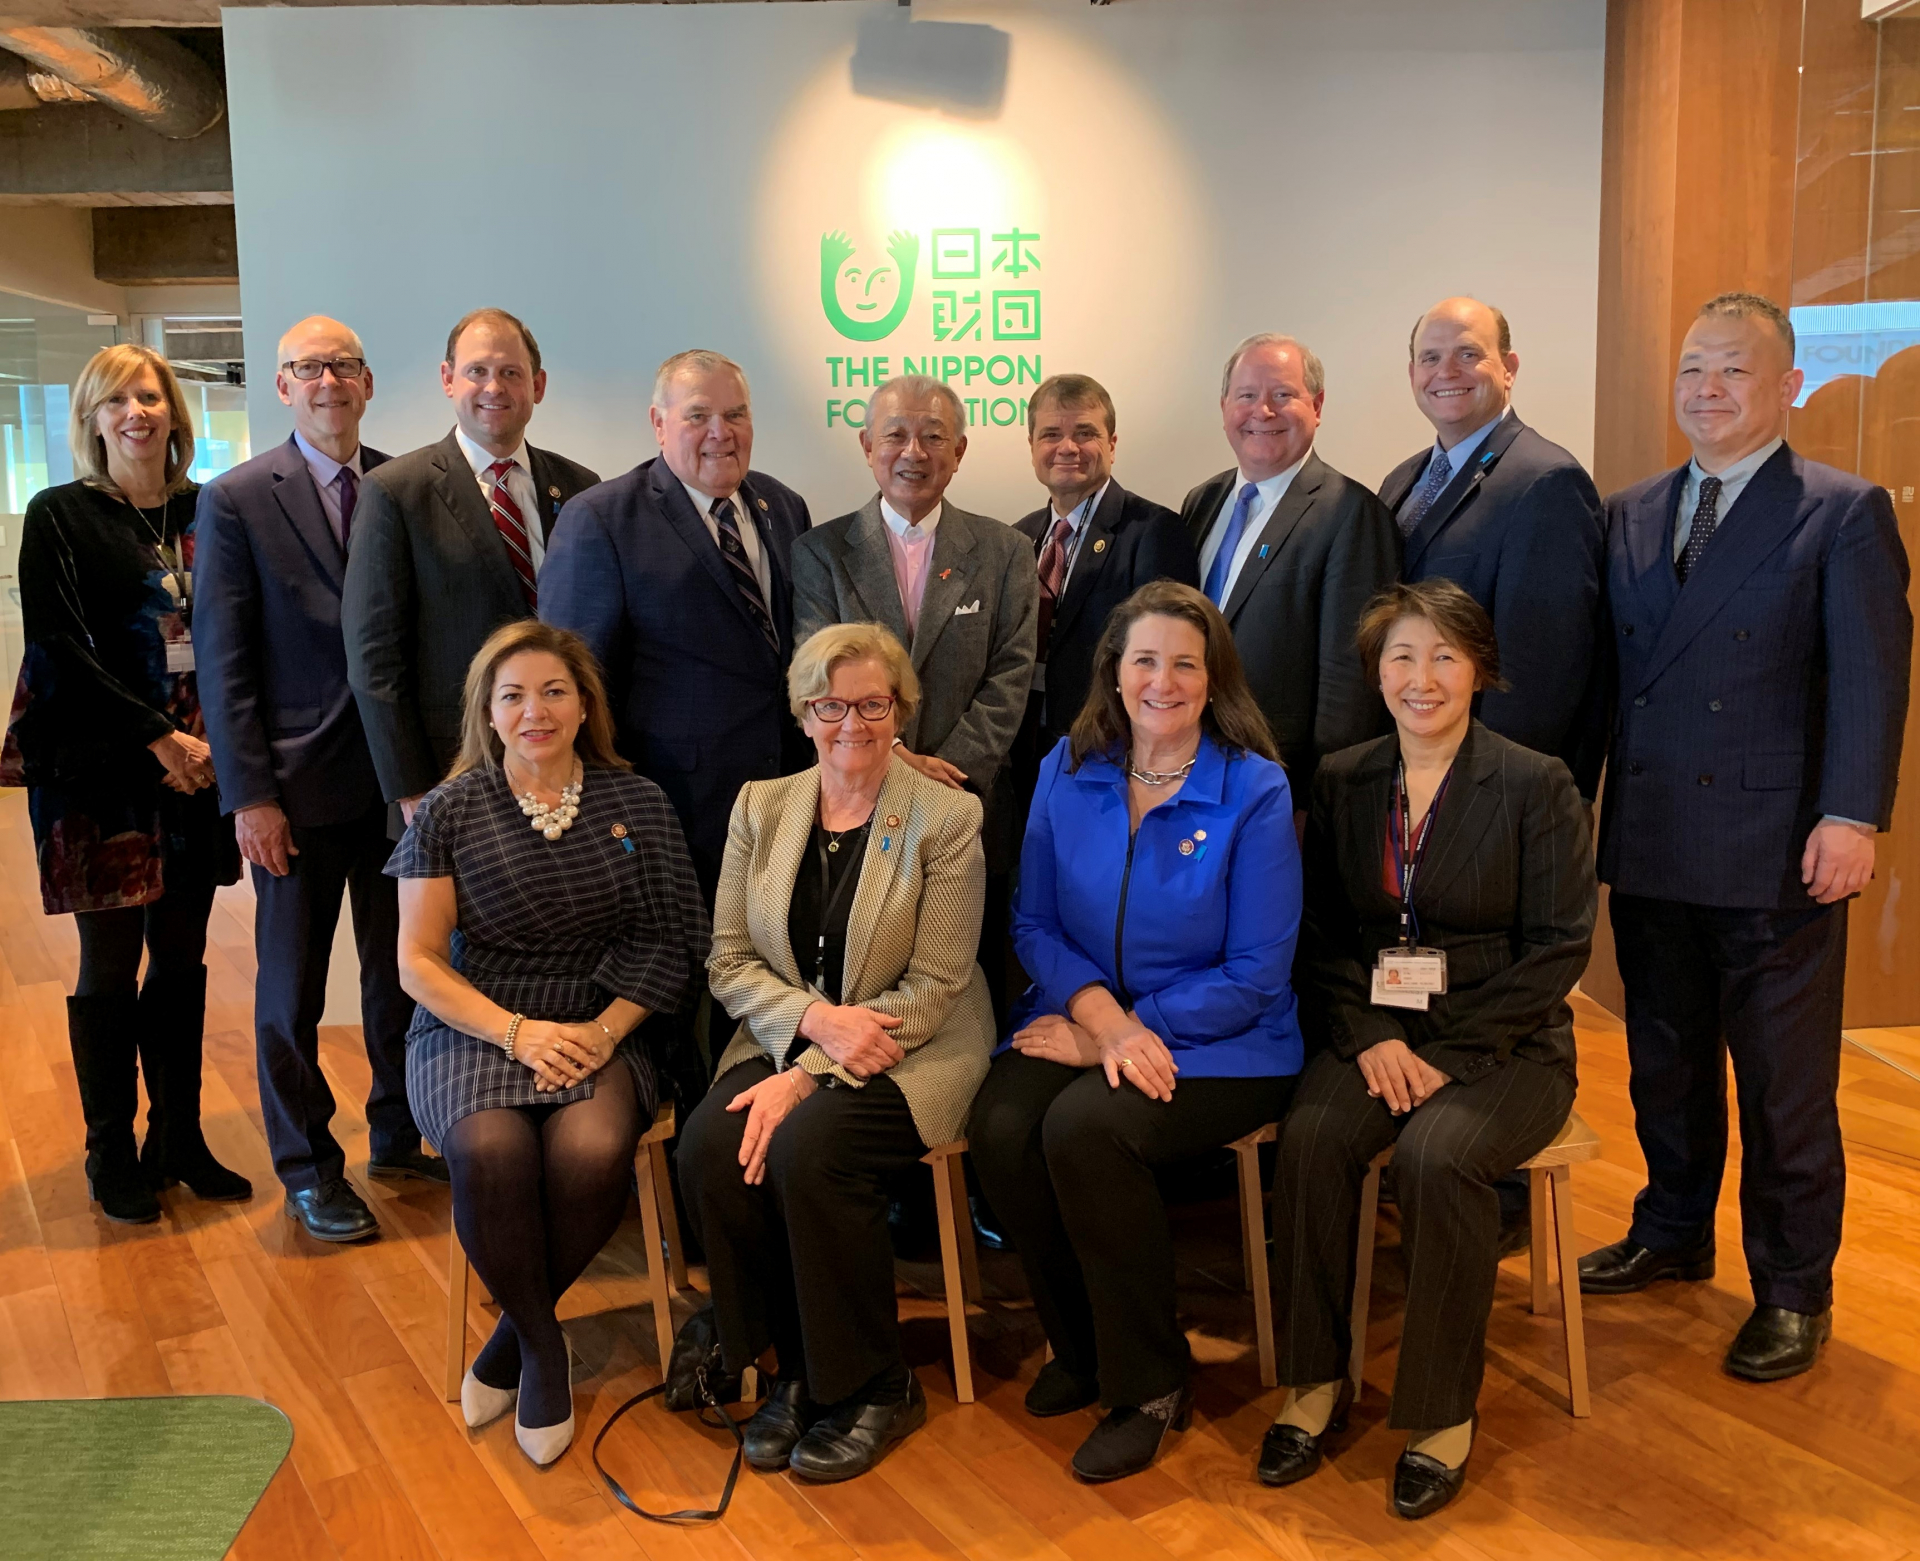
x,y
696,1379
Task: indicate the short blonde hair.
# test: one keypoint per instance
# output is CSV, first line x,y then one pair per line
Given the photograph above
x,y
810,674
480,745
108,372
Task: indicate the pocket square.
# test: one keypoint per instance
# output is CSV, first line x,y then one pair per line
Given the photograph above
x,y
961,612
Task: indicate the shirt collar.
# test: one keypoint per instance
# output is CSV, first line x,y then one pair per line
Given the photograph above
x,y
1741,469
1460,453
480,459
1077,517
897,523
1279,482
325,469
702,500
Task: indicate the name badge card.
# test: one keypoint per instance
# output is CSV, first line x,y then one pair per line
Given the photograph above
x,y
180,655
1408,977
1385,996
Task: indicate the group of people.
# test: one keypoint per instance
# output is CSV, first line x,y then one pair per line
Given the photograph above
x,y
659,735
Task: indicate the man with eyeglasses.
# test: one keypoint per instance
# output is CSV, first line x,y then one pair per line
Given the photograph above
x,y
449,540
272,543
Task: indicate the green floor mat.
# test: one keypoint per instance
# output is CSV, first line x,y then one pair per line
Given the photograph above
x,y
133,1479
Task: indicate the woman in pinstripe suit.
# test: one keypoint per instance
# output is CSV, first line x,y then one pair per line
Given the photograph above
x,y
844,938
547,907
1443,836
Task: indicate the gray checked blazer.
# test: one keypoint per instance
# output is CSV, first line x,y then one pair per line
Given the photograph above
x,y
912,934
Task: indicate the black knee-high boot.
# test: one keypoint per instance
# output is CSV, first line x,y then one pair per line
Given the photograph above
x,y
100,1029
173,1021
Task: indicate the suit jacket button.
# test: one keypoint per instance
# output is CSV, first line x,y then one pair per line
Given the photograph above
x,y
1640,701
1635,768
1706,780
1713,704
1627,629
1739,634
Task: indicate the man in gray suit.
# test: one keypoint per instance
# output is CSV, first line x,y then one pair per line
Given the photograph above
x,y
447,546
960,592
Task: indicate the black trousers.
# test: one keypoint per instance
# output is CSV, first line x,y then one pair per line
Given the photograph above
x,y
1764,986
1447,1156
293,928
803,1261
1067,1163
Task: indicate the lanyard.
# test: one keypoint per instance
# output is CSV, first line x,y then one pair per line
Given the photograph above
x,y
830,899
1408,856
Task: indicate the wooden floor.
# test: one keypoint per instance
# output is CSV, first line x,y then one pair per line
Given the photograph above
x,y
1678,1460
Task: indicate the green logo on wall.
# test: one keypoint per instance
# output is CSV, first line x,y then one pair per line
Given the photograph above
x,y
867,288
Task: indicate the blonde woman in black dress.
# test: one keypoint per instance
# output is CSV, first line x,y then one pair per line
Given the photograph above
x,y
547,907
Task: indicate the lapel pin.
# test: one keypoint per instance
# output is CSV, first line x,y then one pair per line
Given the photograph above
x,y
1099,544
619,833
893,821
1265,548
761,502
553,493
1199,834
944,573
1186,848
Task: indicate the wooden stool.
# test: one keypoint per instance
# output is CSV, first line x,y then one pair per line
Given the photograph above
x,y
959,1258
657,1220
1551,1168
1253,1242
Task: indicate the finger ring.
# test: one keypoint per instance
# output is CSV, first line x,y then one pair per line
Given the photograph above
x,y
1126,1062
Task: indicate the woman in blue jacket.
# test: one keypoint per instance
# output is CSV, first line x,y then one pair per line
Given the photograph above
x,y
1159,901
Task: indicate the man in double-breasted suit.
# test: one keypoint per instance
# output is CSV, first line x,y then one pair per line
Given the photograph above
x,y
1760,637
1094,544
1291,551
959,591
448,546
1512,519
679,576
274,535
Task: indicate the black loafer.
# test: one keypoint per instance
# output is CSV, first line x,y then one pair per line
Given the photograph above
x,y
1057,1391
1775,1343
414,1166
333,1211
854,1437
1288,1455
1423,1485
1626,1266
775,1428
1128,1441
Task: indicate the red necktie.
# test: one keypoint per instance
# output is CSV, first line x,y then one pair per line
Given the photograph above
x,y
1053,575
512,527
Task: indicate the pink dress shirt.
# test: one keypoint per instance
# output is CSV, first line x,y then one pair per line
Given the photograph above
x,y
912,550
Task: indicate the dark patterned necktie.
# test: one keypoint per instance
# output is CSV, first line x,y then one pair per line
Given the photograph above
x,y
1053,575
512,526
1439,474
734,551
347,480
1706,517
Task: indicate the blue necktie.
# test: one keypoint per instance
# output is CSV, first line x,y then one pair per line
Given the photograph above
x,y
1439,474
1230,544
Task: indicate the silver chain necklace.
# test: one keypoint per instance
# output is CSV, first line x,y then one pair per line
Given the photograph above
x,y
1161,777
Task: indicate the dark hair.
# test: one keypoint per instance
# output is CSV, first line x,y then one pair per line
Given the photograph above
x,y
1232,716
1462,622
492,317
1070,390
480,745
1499,321
1745,306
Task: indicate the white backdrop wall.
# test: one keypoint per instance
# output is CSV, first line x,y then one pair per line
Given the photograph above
x,y
1155,180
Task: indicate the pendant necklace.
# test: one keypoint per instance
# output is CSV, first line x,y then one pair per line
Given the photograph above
x,y
552,820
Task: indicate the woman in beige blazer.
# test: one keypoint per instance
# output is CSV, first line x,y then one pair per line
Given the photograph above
x,y
845,930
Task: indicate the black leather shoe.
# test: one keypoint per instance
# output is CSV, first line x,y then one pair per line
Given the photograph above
x,y
333,1211
119,1184
1775,1343
987,1230
1626,1266
1129,1440
1057,1391
854,1437
205,1177
414,1166
773,1430
1423,1485
1288,1455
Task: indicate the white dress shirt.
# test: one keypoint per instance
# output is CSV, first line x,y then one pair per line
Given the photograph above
x,y
1272,491
326,472
749,533
519,489
1078,524
1733,483
1457,457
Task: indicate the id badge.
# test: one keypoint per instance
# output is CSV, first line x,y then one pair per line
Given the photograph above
x,y
1414,970
1385,996
180,655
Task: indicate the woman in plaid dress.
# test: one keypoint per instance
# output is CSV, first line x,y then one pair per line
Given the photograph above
x,y
547,907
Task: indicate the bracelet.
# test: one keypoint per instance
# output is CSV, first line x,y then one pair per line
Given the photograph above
x,y
513,1029
612,1039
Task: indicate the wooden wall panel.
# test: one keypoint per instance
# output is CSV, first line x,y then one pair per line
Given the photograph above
x,y
1834,183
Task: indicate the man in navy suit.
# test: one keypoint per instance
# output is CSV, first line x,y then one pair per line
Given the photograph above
x,y
1760,635
1512,519
1095,544
678,575
296,774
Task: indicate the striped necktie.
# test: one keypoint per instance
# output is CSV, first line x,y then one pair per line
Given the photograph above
x,y
512,526
734,551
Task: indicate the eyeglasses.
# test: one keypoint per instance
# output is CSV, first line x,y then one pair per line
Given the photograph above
x,y
832,710
313,368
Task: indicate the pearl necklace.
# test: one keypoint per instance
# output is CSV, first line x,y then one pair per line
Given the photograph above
x,y
551,821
